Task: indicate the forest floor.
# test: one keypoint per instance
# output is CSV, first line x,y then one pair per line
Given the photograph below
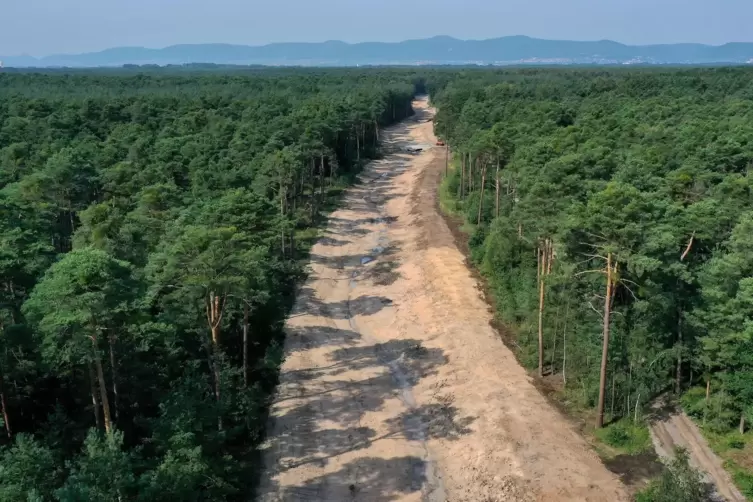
x,y
395,386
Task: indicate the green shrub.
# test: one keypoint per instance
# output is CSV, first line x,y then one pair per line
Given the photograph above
x,y
618,437
693,401
720,414
626,436
736,441
678,483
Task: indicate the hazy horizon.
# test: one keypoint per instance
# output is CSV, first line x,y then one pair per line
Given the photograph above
x,y
45,27
352,43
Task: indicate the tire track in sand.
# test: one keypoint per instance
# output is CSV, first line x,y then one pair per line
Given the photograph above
x,y
394,386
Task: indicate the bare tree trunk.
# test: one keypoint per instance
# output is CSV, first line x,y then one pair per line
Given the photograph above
x,y
363,137
245,344
605,346
13,307
4,404
102,386
708,389
481,195
564,346
742,423
313,188
216,315
446,160
543,266
95,399
282,216
302,186
630,388
461,187
678,372
554,341
496,205
114,373
215,307
321,180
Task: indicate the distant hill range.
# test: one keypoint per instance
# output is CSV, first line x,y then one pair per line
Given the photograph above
x,y
432,51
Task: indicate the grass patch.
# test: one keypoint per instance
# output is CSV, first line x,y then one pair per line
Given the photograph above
x,y
448,201
736,451
625,437
742,478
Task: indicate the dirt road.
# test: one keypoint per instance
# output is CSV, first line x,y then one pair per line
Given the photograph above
x,y
395,387
670,428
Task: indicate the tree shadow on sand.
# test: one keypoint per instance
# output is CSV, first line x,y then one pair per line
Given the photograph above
x,y
372,479
309,304
302,338
359,380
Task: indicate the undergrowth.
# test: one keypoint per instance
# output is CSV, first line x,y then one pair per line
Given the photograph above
x,y
626,436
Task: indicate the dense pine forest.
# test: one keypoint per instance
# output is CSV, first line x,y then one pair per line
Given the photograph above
x,y
154,225
611,212
152,229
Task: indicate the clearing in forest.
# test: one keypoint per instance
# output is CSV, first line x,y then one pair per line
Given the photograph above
x,y
395,386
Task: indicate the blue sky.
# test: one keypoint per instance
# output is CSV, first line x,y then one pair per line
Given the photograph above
x,y
42,27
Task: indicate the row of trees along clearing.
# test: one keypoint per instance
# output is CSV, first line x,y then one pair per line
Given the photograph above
x,y
148,249
613,217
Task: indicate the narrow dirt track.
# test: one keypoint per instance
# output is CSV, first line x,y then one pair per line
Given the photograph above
x,y
670,429
395,387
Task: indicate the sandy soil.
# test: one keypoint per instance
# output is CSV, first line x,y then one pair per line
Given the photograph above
x,y
670,428
395,387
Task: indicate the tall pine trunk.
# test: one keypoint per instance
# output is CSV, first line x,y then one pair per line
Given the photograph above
x,y
461,186
708,389
496,192
4,404
358,149
542,272
114,373
446,160
321,180
102,386
605,344
215,307
481,196
283,197
95,398
564,345
245,344
678,371
312,177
